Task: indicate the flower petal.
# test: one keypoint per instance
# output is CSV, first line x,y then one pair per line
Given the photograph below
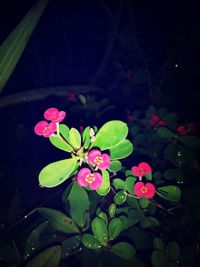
x,y
137,189
93,154
106,162
49,113
51,130
81,176
135,171
97,182
150,190
39,127
146,167
61,116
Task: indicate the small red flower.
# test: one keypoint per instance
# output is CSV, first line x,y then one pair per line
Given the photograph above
x,y
144,190
191,126
43,128
81,128
142,169
71,96
85,178
130,117
101,160
182,130
154,120
54,115
161,123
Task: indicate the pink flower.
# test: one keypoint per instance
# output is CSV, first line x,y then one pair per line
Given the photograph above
x,y
85,178
142,169
44,128
147,190
154,120
101,160
54,115
181,130
130,117
161,123
71,96
191,126
81,128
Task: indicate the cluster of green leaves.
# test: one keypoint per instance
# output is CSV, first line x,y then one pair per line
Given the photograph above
x,y
168,152
112,223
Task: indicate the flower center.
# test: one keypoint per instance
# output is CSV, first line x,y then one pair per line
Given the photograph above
x,y
140,170
54,117
90,178
46,129
144,189
98,160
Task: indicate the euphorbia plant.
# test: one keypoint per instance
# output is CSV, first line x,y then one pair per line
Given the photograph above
x,y
97,174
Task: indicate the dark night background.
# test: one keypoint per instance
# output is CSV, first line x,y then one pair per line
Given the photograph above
x,y
67,48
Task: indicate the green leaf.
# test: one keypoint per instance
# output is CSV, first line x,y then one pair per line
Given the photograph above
x,y
82,98
60,143
158,259
139,139
173,174
110,134
129,184
79,204
158,244
32,241
165,133
123,250
114,229
86,137
13,47
115,166
57,172
112,210
66,193
170,192
103,216
119,183
69,245
125,222
49,257
170,152
99,230
171,120
105,186
59,220
64,131
122,150
145,222
134,216
144,202
149,222
135,130
120,197
90,241
75,138
173,251
190,141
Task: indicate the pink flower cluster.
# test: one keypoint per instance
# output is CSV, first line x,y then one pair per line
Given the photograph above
x,y
85,177
43,128
140,189
183,129
155,121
